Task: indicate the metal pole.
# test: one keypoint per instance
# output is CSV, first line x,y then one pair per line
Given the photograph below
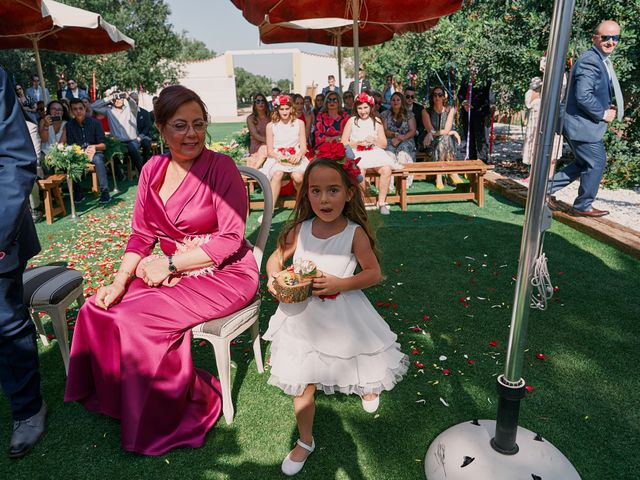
x,y
339,40
356,46
537,214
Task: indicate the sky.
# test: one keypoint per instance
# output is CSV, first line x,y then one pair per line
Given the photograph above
x,y
221,26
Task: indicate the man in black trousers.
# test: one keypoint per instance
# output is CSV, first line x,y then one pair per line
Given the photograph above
x,y
19,367
476,117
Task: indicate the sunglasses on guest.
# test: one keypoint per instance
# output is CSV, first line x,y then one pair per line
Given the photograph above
x,y
606,38
332,100
438,94
260,100
409,97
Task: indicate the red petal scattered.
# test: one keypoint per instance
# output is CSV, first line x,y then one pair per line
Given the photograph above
x,y
493,343
416,329
202,343
462,299
415,351
425,318
51,336
530,388
245,350
556,289
471,362
446,371
540,356
395,305
419,364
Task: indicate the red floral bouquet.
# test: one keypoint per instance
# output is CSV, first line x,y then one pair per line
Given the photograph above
x,y
286,152
364,148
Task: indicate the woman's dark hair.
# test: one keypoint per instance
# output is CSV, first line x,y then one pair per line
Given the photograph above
x,y
171,99
354,209
254,110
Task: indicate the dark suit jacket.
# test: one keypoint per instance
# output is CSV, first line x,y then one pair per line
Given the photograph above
x,y
81,93
18,239
143,122
588,97
366,85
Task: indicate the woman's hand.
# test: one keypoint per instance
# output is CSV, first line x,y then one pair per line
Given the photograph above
x,y
109,295
326,284
272,278
47,121
156,271
295,159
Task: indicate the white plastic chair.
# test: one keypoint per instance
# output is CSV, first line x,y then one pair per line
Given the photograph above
x,y
220,332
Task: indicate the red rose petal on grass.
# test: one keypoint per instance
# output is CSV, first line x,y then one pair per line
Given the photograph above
x,y
419,364
425,318
245,350
462,299
540,356
471,362
529,388
415,351
556,289
493,343
50,336
446,371
395,305
202,343
415,329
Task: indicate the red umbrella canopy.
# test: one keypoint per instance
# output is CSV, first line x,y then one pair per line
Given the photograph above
x,y
24,16
375,11
369,33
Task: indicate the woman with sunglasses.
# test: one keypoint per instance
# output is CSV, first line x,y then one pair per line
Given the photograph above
x,y
257,125
131,350
27,103
330,121
286,146
440,135
400,128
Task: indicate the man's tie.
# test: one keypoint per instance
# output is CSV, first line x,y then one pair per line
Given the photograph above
x,y
616,88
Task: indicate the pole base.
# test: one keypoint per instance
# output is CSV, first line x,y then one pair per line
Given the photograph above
x,y
464,452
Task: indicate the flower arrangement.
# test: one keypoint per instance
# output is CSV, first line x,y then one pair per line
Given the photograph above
x,y
364,97
281,100
236,151
295,283
336,151
69,159
286,152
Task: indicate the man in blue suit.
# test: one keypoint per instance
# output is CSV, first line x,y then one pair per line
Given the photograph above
x,y
19,368
587,115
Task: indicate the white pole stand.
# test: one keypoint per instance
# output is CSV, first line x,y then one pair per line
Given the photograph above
x,y
464,452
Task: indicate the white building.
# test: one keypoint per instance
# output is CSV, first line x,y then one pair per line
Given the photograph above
x,y
214,79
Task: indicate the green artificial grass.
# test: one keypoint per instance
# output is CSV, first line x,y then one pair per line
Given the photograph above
x,y
448,290
224,132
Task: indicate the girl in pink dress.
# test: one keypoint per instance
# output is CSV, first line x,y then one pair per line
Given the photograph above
x,y
131,351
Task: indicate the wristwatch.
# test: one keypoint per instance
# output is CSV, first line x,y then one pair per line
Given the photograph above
x,y
172,267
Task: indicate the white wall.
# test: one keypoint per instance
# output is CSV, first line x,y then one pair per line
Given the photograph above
x,y
209,79
316,68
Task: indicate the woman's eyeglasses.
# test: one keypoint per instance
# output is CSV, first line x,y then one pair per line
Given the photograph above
x,y
606,38
332,100
183,127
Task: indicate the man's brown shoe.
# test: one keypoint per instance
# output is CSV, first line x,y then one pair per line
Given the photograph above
x,y
594,212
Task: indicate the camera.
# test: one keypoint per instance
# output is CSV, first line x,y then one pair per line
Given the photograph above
x,y
121,95
56,118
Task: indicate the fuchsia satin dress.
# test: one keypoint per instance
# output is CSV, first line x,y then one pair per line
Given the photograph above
x,y
133,361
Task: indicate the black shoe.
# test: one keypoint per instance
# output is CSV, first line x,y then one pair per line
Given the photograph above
x,y
27,432
105,197
77,198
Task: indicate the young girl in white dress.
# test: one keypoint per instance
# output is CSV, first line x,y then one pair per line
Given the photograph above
x,y
333,341
286,146
364,133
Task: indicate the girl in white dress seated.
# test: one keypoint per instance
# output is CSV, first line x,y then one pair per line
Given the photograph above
x,y
364,133
333,341
286,146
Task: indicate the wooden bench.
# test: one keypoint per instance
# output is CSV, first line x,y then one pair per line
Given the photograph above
x,y
52,191
283,202
95,187
475,169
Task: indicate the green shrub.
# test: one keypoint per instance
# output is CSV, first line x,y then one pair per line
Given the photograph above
x,y
623,160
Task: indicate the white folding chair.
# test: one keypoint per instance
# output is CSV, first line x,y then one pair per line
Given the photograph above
x,y
219,332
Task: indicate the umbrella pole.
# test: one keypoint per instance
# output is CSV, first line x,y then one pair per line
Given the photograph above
x,y
489,443
36,50
339,39
355,5
72,199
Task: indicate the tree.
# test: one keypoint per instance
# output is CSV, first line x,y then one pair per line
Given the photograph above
x,y
248,84
193,50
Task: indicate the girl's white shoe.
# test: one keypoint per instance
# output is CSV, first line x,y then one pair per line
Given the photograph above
x,y
289,467
371,406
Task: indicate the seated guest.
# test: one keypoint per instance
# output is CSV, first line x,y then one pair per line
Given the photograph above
x,y
440,132
28,104
62,89
275,91
419,113
257,125
330,121
74,91
131,350
122,115
298,105
364,133
400,128
88,134
347,98
318,104
51,128
143,125
286,146
378,107
332,87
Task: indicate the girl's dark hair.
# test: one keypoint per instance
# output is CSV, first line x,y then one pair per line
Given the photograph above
x,y
171,99
254,110
354,209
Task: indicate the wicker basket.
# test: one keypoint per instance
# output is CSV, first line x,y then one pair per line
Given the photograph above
x,y
291,287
